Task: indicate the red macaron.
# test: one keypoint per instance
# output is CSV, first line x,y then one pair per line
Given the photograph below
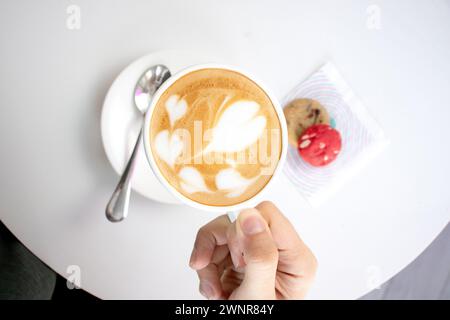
x,y
319,145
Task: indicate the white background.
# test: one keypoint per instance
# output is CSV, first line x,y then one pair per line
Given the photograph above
x,y
55,178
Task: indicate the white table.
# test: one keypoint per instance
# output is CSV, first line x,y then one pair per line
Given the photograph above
x,y
55,178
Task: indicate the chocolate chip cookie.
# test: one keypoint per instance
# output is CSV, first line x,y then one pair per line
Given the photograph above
x,y
301,114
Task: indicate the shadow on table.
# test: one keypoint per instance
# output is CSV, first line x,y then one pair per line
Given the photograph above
x,y
24,277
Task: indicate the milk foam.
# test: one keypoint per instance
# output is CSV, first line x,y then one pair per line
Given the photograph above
x,y
230,179
237,128
168,147
176,108
192,180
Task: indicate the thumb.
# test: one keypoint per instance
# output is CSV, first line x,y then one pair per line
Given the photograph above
x,y
260,255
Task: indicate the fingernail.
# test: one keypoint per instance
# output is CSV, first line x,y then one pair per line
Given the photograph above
x,y
206,290
252,224
233,260
192,259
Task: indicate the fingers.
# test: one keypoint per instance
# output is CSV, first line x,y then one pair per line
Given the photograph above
x,y
210,285
209,255
296,263
264,248
294,256
280,226
236,249
208,237
260,256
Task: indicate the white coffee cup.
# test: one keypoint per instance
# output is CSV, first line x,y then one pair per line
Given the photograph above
x,y
150,157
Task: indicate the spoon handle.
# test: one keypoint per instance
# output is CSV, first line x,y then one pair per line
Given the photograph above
x,y
117,207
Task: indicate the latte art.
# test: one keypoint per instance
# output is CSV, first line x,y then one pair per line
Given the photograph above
x,y
215,137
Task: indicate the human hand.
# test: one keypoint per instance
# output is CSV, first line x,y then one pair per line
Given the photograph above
x,y
259,256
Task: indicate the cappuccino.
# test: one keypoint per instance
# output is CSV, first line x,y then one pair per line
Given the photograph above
x,y
215,137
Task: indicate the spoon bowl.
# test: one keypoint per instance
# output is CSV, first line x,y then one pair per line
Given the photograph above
x,y
147,85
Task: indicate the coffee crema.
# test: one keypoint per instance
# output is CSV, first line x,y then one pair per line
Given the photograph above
x,y
215,137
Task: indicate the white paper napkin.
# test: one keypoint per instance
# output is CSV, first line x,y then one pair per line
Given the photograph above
x,y
362,137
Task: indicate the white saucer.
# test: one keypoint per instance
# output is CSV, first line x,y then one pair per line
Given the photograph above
x,y
121,121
